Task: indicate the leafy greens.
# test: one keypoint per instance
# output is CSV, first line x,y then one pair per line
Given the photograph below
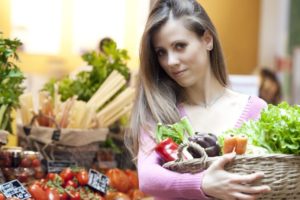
x,y
11,79
176,131
277,130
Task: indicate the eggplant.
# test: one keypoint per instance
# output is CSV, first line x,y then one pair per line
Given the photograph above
x,y
213,136
213,151
208,141
202,142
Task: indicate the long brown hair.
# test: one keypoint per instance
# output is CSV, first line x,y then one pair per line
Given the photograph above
x,y
157,94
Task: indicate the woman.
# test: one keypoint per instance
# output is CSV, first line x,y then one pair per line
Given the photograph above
x,y
182,73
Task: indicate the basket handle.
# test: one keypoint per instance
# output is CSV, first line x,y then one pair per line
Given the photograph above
x,y
56,133
196,147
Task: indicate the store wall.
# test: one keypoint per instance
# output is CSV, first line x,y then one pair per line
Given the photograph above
x,y
237,23
67,61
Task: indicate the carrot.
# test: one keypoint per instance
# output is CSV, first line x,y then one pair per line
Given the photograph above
x,y
241,144
229,144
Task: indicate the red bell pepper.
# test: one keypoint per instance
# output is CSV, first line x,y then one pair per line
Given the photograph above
x,y
167,149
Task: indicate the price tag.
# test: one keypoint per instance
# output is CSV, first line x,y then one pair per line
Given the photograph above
x,y
14,189
58,166
98,181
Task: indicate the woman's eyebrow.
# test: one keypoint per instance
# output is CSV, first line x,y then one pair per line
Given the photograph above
x,y
178,41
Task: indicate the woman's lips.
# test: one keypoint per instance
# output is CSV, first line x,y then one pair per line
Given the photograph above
x,y
178,73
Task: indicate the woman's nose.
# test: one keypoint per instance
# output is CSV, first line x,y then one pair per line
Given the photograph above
x,y
173,59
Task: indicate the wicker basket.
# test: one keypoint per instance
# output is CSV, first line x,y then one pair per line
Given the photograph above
x,y
56,144
282,171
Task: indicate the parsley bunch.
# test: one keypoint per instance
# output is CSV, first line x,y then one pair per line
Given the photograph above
x,y
11,79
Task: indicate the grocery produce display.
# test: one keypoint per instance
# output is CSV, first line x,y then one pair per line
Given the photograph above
x,y
73,184
22,165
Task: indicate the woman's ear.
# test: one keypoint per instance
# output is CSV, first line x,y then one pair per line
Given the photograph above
x,y
208,39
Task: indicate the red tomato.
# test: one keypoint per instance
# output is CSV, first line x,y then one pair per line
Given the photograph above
x,y
51,176
52,194
37,192
75,195
118,180
116,196
55,178
71,183
136,194
82,177
2,197
63,196
133,178
38,182
36,163
66,174
25,162
45,187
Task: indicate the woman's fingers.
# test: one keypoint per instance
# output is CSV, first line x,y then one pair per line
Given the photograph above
x,y
253,189
241,196
248,178
249,193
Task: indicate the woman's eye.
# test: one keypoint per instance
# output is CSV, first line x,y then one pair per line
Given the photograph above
x,y
160,53
180,46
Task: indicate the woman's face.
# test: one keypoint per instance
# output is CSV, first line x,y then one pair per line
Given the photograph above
x,y
182,53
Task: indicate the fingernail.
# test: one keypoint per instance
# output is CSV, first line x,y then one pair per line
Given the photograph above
x,y
268,189
262,174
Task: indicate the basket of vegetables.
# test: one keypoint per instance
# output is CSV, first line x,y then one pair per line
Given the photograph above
x,y
270,144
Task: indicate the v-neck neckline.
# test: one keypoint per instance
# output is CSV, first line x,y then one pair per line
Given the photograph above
x,y
240,120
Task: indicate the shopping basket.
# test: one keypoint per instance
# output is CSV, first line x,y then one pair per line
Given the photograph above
x,y
281,171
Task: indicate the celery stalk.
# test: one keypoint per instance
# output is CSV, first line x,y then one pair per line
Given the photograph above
x,y
187,125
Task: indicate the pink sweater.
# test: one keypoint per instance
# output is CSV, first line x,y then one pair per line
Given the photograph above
x,y
165,184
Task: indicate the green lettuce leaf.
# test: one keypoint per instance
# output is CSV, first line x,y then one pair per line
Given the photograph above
x,y
277,130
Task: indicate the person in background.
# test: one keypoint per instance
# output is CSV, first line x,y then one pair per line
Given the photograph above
x,y
100,48
105,41
270,88
182,73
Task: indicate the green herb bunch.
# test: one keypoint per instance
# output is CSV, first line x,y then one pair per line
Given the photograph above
x,y
86,83
11,79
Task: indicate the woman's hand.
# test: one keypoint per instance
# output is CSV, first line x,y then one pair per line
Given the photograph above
x,y
221,184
